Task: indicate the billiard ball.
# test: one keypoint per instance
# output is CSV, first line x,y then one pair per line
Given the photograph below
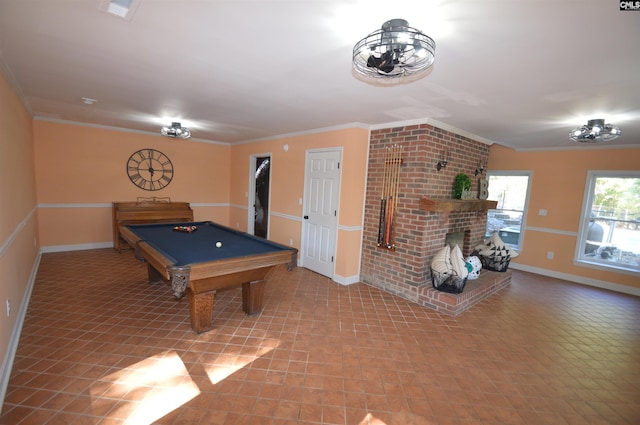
x,y
218,244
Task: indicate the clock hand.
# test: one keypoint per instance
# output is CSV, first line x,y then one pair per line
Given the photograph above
x,y
151,170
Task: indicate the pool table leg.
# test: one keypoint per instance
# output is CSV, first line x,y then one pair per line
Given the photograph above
x,y
253,296
154,276
201,310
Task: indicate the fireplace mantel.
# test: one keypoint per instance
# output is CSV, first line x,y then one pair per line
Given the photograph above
x,y
451,205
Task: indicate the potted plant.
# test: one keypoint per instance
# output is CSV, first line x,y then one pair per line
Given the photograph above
x,y
460,182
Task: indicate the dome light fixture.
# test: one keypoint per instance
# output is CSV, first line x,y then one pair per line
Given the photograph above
x,y
176,131
396,50
595,131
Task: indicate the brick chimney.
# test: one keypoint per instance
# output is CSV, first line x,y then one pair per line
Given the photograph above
x,y
419,234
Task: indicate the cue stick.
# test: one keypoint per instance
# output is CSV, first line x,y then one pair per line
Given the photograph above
x,y
396,189
393,206
390,198
396,172
383,201
387,235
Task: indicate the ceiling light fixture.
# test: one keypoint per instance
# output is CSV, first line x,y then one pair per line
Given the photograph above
x,y
396,50
175,130
121,8
595,131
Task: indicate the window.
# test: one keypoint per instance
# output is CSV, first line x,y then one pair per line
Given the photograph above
x,y
511,190
610,222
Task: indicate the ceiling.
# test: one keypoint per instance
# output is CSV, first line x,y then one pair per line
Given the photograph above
x,y
521,73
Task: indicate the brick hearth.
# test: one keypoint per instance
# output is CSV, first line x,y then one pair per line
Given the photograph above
x,y
475,291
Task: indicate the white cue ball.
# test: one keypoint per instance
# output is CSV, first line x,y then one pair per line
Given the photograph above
x,y
218,244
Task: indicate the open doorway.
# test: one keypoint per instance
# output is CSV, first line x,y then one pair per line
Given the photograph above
x,y
262,167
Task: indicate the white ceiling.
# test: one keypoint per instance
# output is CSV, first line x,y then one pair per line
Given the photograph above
x,y
521,73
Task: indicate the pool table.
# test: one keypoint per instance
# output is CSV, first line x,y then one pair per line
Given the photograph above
x,y
209,258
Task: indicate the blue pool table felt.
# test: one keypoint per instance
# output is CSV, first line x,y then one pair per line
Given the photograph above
x,y
199,246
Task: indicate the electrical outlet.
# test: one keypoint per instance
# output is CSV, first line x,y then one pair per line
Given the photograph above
x,y
290,242
8,307
550,255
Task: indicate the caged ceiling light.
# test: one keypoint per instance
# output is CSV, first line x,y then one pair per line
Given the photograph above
x,y
395,50
595,131
176,131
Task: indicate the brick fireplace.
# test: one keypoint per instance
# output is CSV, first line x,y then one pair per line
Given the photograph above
x,y
420,231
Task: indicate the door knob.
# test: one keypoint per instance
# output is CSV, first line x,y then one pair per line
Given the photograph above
x,y
306,217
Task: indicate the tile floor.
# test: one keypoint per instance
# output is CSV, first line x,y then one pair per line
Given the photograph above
x,y
102,346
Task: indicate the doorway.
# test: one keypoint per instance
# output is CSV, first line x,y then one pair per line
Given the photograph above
x,y
261,185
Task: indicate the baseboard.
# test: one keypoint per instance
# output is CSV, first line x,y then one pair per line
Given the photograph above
x,y
7,362
77,247
578,279
349,280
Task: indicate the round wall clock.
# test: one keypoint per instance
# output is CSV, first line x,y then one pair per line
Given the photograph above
x,y
149,169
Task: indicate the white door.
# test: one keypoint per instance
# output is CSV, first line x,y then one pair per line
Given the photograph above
x,y
320,224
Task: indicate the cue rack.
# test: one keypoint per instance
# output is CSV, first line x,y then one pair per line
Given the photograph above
x,y
389,197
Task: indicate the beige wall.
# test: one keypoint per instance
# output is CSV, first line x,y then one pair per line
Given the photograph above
x,y
287,188
558,184
18,221
80,170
